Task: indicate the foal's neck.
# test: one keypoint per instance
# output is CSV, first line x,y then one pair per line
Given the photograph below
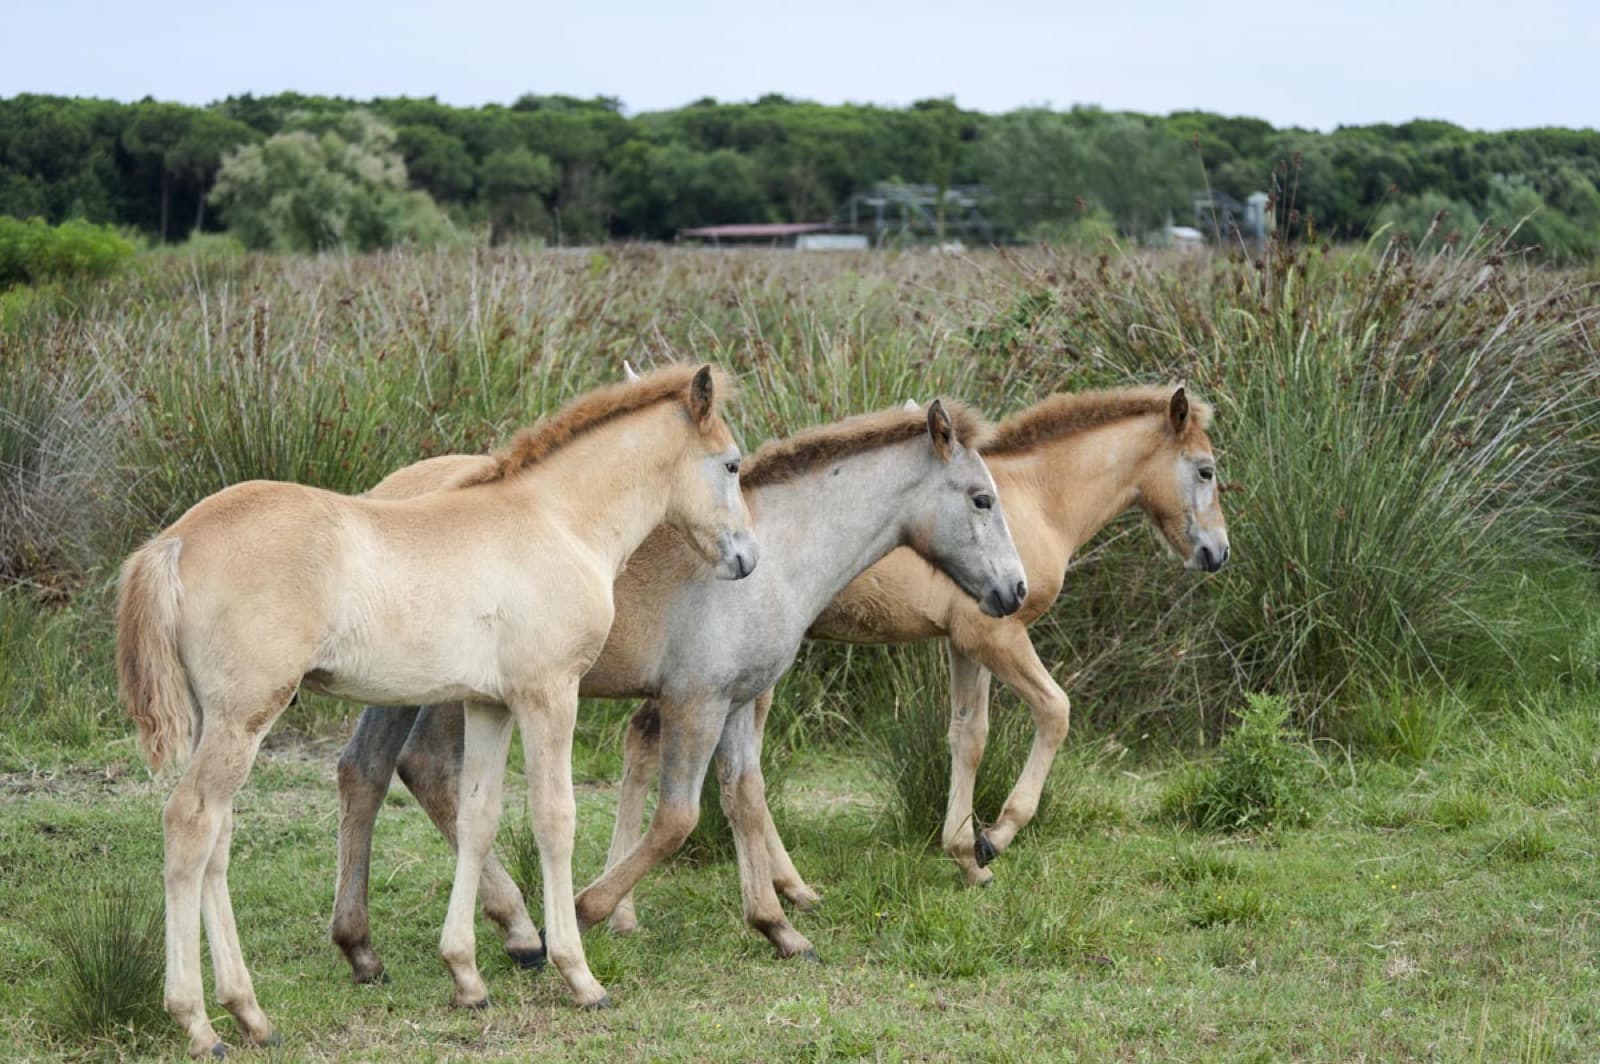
x,y
824,528
613,484
1078,484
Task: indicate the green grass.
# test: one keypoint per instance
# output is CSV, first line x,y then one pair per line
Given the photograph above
x,y
1341,938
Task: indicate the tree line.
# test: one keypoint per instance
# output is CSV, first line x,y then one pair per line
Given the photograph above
x,y
310,171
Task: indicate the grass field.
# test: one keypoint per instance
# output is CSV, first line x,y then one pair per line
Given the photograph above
x,y
1442,910
1405,869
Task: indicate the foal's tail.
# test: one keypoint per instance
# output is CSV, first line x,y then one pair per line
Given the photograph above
x,y
150,675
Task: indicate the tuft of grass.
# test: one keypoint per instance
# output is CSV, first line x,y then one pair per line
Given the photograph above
x,y
1263,775
1409,726
1529,841
1458,809
1224,904
110,946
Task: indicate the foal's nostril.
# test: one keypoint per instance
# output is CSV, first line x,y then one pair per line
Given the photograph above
x,y
1022,592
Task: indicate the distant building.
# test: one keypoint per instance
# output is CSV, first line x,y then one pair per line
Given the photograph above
x,y
921,214
803,235
1218,215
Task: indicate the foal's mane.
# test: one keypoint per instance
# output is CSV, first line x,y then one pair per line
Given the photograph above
x,y
794,456
588,412
1071,413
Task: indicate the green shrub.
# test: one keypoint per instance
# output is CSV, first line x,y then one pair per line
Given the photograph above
x,y
1263,775
32,251
110,966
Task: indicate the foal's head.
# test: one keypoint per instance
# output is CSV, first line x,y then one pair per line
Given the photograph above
x,y
1177,488
958,524
706,504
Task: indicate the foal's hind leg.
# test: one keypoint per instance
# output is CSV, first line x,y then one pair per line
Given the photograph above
x,y
785,877
196,826
969,732
744,800
232,978
365,768
641,757
430,766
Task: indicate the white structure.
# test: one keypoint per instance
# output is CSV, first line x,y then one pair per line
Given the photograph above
x,y
832,242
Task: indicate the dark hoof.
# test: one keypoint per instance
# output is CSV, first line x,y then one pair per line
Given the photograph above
x,y
272,1041
603,1003
377,978
528,958
220,1050
983,850
478,1006
809,956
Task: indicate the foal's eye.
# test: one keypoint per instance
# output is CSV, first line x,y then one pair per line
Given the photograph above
x,y
1207,473
983,502
732,467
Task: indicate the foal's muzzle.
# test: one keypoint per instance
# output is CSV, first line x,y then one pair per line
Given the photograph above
x,y
1211,559
739,556
1001,601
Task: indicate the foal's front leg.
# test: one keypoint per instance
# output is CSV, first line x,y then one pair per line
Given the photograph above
x,y
969,733
1008,653
744,800
547,719
1016,664
689,732
430,767
483,764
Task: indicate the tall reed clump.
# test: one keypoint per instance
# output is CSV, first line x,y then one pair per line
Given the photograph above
x,y
52,468
110,963
1408,437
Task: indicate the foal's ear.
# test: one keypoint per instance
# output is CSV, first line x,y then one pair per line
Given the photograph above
x,y
628,372
941,431
702,398
1178,412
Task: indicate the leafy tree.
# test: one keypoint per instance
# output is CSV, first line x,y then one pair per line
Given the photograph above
x,y
1432,216
337,183
438,162
515,182
150,138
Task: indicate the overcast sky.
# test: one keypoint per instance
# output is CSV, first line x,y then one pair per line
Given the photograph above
x,y
1485,64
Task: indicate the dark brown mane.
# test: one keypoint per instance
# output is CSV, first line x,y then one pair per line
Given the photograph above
x,y
588,412
1068,414
780,460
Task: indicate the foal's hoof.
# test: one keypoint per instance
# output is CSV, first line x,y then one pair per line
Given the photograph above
x,y
477,1006
528,959
272,1041
809,956
595,1006
983,850
219,1051
377,978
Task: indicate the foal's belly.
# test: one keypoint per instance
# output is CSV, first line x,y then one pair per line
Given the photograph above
x,y
384,691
